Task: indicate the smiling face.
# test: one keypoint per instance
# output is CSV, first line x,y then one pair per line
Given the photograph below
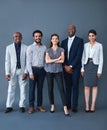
x,y
71,30
92,37
37,37
17,37
55,40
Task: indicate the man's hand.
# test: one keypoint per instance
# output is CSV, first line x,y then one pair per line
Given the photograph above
x,y
68,69
31,77
24,76
8,77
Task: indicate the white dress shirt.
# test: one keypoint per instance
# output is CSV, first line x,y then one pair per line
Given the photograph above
x,y
70,41
92,50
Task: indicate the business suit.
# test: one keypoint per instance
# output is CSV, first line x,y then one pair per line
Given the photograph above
x,y
97,56
15,73
74,60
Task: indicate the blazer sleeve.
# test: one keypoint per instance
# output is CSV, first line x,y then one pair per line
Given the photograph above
x,y
25,71
83,60
100,66
78,56
7,62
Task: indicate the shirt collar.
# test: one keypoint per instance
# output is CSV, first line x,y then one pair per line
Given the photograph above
x,y
36,43
71,38
19,45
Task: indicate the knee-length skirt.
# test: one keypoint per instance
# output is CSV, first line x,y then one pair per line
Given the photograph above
x,y
90,76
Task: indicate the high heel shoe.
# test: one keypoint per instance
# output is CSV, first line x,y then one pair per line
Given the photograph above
x,y
52,110
92,109
87,110
66,113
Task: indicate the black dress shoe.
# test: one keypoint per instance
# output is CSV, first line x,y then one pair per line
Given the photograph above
x,y
74,110
22,109
87,111
8,109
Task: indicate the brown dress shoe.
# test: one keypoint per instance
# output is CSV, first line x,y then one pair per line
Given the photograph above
x,y
31,110
41,109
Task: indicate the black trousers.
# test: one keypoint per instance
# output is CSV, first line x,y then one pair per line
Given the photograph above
x,y
59,80
72,87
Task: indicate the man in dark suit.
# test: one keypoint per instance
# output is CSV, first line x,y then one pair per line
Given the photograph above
x,y
73,47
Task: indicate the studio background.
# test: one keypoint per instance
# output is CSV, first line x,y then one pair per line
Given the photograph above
x,y
52,16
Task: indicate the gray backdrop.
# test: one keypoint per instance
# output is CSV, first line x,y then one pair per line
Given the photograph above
x,y
52,16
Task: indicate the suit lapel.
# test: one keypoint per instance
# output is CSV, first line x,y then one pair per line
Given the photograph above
x,y
73,45
14,52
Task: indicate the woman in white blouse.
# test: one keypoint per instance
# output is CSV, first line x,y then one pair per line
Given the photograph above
x,y
92,64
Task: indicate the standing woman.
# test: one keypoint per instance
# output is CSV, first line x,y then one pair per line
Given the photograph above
x,y
54,59
92,64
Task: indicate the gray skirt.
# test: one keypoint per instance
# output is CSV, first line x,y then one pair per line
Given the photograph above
x,y
90,76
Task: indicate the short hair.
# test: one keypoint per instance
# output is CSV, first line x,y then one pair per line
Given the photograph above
x,y
18,33
92,31
37,31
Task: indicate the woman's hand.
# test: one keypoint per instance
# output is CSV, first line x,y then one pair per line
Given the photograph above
x,y
99,75
82,74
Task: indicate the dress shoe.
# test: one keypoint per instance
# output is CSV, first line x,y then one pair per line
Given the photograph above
x,y
31,110
8,109
22,109
41,109
74,110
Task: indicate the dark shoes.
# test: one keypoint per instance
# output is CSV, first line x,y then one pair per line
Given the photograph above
x,y
22,109
52,109
66,113
92,111
41,109
8,109
31,110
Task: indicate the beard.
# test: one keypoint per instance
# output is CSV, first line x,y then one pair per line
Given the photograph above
x,y
38,41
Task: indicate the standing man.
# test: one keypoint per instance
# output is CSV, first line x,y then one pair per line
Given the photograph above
x,y
35,66
73,47
15,68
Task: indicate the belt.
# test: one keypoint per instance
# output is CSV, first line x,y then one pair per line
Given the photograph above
x,y
18,67
36,67
90,60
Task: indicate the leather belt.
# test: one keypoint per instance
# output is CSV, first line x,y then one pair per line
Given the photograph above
x,y
36,67
90,60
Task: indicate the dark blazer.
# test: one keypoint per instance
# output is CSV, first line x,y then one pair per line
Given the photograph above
x,y
75,54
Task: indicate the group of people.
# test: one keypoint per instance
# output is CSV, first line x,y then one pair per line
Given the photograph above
x,y
67,61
